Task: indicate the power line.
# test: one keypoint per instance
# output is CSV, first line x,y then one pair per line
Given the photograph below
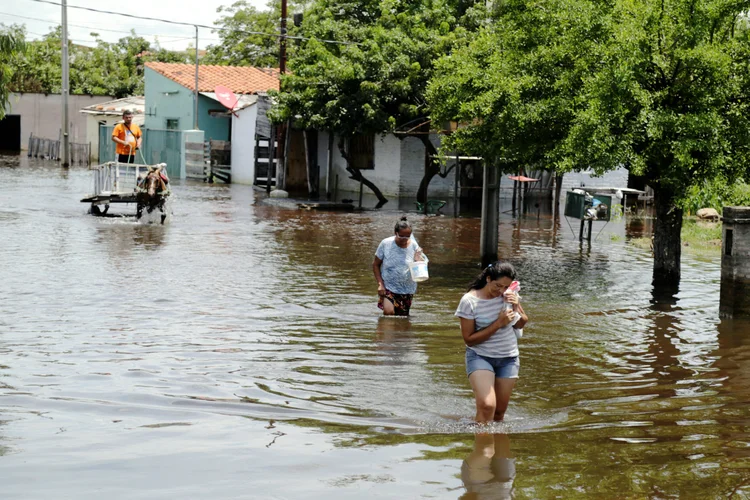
x,y
181,37
181,23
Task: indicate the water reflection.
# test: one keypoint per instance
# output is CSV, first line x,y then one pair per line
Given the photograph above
x,y
489,470
393,339
733,365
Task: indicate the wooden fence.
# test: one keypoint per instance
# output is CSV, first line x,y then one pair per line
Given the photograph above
x,y
49,149
218,159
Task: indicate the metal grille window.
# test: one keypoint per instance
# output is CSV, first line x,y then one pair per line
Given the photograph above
x,y
173,123
362,151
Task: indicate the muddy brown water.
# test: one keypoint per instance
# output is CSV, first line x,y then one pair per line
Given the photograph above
x,y
236,352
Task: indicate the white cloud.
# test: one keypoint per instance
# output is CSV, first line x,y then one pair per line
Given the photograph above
x,y
82,23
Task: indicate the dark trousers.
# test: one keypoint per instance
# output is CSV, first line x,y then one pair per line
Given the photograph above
x,y
126,158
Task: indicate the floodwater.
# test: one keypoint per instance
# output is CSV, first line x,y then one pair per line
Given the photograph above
x,y
236,352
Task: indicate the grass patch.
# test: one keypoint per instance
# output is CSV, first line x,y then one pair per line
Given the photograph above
x,y
697,236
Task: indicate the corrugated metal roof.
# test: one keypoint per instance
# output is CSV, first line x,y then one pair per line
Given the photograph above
x,y
136,104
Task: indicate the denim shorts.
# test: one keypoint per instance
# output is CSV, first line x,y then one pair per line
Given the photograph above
x,y
503,367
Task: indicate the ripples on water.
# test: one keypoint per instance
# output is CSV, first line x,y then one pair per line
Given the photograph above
x,y
238,351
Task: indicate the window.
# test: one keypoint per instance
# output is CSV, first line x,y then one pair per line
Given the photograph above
x,y
362,151
173,124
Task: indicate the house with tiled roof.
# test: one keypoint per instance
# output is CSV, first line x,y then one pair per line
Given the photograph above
x,y
170,94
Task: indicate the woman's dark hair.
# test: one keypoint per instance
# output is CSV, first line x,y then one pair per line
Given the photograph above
x,y
402,224
494,271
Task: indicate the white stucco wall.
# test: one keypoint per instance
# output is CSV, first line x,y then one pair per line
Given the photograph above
x,y
399,168
412,170
613,178
243,145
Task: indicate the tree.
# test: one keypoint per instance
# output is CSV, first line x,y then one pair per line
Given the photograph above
x,y
375,78
11,46
107,69
660,87
238,47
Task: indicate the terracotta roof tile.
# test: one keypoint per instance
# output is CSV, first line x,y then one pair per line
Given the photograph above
x,y
239,79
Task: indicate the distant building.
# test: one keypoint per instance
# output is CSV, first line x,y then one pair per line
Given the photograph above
x,y
108,114
41,115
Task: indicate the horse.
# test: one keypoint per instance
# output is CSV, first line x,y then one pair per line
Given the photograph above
x,y
152,193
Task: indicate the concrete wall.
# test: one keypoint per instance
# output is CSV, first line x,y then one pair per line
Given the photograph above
x,y
735,263
412,171
613,178
399,168
41,114
191,158
243,145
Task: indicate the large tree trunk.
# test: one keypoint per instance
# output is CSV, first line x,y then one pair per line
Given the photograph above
x,y
355,174
667,242
431,167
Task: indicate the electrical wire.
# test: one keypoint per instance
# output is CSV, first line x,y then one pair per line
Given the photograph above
x,y
181,23
87,27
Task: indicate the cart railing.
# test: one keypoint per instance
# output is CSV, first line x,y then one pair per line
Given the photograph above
x,y
115,177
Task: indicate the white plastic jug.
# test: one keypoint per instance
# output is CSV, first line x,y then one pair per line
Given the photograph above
x,y
418,270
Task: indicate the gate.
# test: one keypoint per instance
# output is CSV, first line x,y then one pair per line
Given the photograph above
x,y
158,146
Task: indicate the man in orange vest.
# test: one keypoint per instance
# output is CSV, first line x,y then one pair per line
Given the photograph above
x,y
128,137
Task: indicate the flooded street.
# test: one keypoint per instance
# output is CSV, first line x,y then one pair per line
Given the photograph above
x,y
237,352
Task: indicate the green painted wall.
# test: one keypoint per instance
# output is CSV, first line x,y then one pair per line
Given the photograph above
x,y
214,127
166,99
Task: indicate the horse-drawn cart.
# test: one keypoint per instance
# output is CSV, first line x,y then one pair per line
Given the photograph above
x,y
116,182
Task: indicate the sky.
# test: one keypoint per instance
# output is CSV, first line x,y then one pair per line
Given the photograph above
x,y
40,17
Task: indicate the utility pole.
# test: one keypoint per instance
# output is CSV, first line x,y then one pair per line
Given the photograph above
x,y
195,97
282,40
65,87
281,130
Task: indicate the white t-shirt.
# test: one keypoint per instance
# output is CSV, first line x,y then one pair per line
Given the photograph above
x,y
503,343
395,267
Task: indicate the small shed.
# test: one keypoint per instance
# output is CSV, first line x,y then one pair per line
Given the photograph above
x,y
108,114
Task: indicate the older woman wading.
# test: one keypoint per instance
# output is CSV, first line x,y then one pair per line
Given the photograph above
x,y
491,323
391,269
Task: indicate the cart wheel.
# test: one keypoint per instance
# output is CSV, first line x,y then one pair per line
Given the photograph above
x,y
95,210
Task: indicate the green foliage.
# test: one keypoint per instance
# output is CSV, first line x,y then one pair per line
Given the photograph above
x,y
375,79
699,232
715,193
11,47
108,69
238,47
658,86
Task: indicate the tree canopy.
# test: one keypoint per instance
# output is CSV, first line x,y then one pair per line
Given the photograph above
x,y
238,47
374,79
107,69
660,87
11,47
